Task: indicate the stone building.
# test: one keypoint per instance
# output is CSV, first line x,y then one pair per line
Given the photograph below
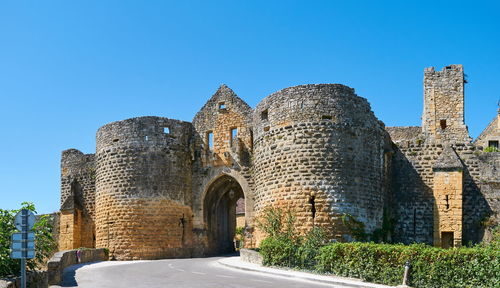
x,y
159,188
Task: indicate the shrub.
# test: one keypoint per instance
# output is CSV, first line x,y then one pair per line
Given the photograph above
x,y
44,242
309,248
280,246
279,251
491,149
276,222
431,267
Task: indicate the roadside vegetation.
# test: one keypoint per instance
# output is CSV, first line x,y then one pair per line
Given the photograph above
x,y
477,266
44,242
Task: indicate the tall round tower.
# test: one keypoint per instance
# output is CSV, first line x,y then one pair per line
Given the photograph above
x,y
143,180
319,152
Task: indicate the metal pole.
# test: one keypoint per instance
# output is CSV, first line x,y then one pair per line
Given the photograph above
x,y
407,274
24,247
23,272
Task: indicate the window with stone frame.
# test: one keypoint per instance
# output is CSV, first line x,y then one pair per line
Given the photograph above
x,y
233,134
209,139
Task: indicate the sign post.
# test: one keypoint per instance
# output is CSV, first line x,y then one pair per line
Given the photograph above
x,y
23,243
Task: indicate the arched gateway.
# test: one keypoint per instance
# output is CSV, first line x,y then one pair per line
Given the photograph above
x,y
219,214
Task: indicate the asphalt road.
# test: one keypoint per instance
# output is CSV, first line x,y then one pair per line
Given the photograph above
x,y
178,273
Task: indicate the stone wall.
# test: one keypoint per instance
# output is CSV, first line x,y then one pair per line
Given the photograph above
x,y
34,279
443,116
319,151
413,186
77,226
160,188
399,134
143,190
490,134
63,259
229,121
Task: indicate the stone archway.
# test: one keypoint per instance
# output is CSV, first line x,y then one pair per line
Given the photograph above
x,y
220,213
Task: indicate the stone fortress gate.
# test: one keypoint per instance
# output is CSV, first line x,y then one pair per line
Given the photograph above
x,y
159,188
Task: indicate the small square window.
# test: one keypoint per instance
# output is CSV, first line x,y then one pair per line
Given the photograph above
x,y
166,130
442,123
493,143
264,115
222,105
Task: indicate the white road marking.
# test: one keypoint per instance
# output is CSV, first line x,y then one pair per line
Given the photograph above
x,y
225,276
201,273
257,280
180,270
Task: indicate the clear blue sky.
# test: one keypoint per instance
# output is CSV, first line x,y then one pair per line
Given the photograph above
x,y
69,67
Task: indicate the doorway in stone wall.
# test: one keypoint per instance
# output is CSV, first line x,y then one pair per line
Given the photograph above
x,y
220,214
446,240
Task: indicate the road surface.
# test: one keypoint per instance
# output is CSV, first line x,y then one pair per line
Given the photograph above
x,y
178,273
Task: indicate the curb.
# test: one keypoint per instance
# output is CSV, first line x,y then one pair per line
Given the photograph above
x,y
342,282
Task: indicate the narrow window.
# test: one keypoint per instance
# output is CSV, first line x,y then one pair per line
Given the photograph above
x,y
210,140
493,144
313,206
447,202
234,135
326,117
146,138
166,130
442,123
116,140
222,105
264,115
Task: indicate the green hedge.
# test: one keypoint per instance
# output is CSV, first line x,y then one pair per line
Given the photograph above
x,y
430,266
384,263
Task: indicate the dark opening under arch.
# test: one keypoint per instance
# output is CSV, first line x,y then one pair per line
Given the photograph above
x,y
220,214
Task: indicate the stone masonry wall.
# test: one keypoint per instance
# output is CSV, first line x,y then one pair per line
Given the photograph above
x,y
399,134
143,188
448,209
78,198
443,117
319,147
491,133
230,154
413,180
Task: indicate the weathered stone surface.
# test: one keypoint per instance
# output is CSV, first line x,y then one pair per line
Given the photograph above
x,y
64,259
159,188
443,117
491,135
320,146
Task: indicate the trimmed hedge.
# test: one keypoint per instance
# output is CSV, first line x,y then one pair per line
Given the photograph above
x,y
430,266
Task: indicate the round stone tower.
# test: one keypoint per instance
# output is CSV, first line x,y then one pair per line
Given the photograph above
x,y
143,182
319,151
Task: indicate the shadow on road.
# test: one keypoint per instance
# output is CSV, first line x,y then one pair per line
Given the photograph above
x,y
69,273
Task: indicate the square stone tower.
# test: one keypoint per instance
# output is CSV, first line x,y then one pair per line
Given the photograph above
x,y
443,116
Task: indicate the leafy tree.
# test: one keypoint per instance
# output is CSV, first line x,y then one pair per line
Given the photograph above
x,y
44,241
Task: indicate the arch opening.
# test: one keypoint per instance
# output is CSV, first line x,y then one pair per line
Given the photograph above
x,y
222,206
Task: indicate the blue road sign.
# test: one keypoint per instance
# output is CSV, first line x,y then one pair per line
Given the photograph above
x,y
30,245
17,254
18,237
